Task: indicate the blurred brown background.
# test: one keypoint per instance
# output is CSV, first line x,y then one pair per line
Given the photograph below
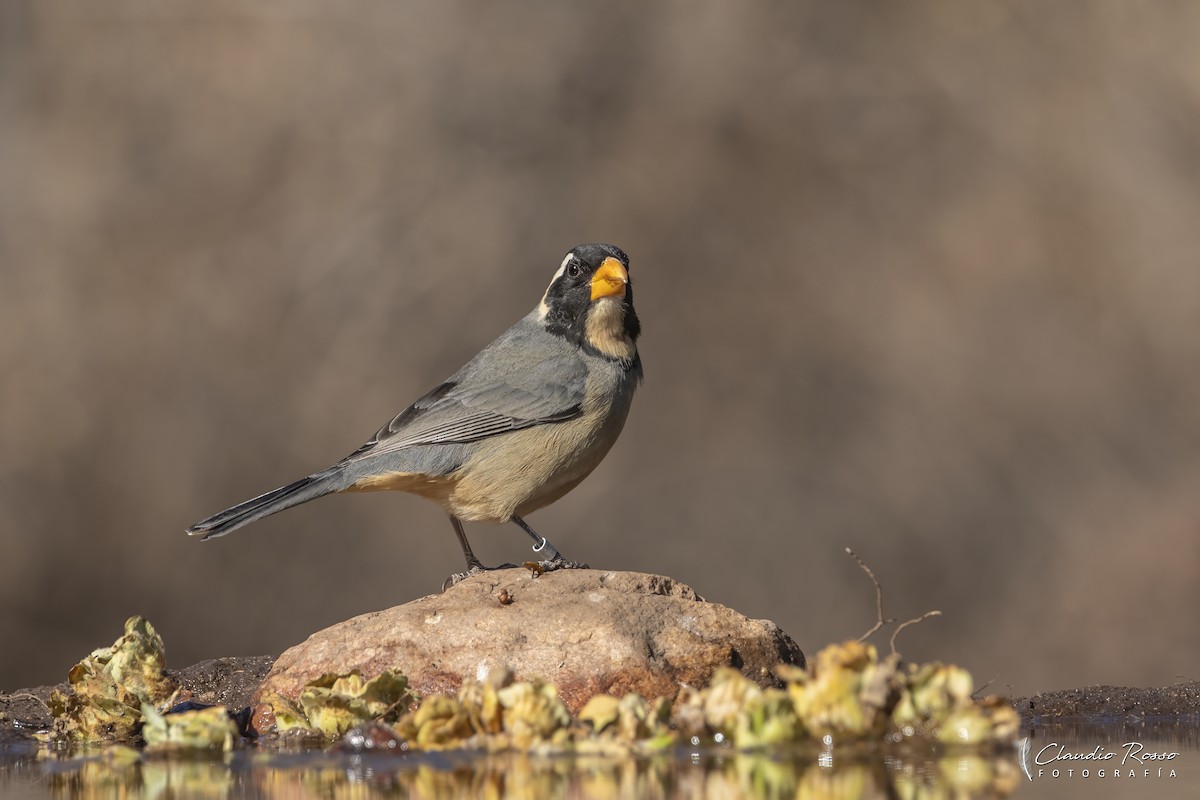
x,y
917,278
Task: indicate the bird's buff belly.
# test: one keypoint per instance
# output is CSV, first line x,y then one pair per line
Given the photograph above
x,y
520,472
515,473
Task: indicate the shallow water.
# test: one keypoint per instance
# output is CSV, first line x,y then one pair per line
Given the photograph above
x,y
1123,762
833,772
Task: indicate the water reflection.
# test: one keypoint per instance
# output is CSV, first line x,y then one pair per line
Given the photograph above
x,y
812,772
721,774
1181,733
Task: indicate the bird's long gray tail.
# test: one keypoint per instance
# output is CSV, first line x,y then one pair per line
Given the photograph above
x,y
310,488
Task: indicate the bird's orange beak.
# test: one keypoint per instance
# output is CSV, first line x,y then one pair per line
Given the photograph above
x,y
610,280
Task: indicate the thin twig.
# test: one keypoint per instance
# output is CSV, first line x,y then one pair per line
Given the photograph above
x,y
26,696
974,694
906,623
879,621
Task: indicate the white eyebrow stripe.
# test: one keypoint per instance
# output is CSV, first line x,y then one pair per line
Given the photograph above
x,y
562,267
543,308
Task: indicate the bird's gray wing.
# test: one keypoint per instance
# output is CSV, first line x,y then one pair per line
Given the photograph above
x,y
524,378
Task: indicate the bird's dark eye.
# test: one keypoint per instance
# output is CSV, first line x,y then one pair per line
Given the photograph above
x,y
573,269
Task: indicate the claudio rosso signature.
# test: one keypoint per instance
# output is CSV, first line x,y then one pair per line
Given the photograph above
x,y
1131,760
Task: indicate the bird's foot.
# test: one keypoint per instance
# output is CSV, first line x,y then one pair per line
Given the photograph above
x,y
475,569
552,564
536,567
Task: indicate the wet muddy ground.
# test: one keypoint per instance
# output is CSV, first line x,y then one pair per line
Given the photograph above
x,y
225,681
1181,699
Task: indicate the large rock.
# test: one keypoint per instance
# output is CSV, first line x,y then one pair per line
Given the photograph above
x,y
586,631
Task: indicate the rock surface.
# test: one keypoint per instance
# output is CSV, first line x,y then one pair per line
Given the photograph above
x,y
586,631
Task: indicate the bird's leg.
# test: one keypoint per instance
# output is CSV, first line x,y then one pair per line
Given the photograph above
x,y
474,565
551,558
541,545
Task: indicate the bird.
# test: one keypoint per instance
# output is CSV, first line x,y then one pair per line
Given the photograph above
x,y
515,429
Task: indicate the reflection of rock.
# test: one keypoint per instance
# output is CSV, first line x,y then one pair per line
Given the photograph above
x,y
586,631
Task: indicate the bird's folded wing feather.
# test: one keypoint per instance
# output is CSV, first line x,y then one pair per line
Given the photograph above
x,y
489,396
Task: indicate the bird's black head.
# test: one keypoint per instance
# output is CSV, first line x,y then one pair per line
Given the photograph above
x,y
590,302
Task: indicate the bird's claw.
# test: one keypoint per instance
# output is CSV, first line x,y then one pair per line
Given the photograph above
x,y
552,564
477,569
536,567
